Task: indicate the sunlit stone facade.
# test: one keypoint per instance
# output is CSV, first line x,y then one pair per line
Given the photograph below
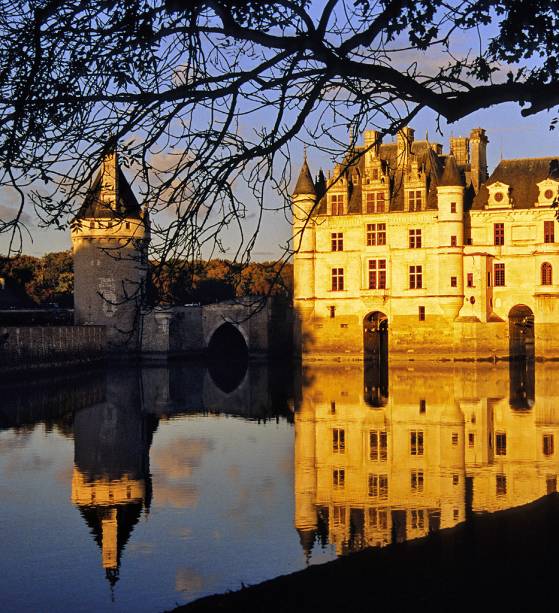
x,y
421,252
380,460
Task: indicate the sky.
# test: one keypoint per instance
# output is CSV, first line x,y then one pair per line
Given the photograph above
x,y
510,136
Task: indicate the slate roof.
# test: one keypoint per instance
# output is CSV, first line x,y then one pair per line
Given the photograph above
x,y
522,176
305,183
451,175
127,205
431,164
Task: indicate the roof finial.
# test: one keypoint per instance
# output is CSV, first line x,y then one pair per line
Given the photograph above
x,y
305,152
427,134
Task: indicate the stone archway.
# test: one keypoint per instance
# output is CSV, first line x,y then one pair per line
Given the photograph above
x,y
375,336
228,357
375,355
521,332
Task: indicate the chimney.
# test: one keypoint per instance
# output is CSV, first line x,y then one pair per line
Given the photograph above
x,y
373,139
460,149
478,156
404,140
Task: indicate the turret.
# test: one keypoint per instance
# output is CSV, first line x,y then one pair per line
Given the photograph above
x,y
110,237
450,199
304,202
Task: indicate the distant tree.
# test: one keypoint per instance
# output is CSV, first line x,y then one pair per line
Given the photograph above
x,y
207,94
49,279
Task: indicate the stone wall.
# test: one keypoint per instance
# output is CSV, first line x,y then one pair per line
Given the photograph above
x,y
46,346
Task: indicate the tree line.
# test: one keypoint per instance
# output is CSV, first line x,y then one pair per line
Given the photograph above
x,y
50,279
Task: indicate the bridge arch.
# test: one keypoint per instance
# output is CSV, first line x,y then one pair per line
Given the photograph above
x,y
228,357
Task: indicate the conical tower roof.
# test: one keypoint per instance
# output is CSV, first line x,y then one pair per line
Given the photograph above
x,y
305,184
451,175
110,195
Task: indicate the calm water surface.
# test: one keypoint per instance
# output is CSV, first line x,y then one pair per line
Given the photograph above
x,y
139,489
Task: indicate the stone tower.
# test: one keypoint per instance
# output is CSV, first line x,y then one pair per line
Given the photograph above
x,y
303,203
110,237
450,192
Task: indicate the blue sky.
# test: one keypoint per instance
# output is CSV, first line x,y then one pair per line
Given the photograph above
x,y
510,136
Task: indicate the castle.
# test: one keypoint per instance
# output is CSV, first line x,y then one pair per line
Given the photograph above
x,y
408,251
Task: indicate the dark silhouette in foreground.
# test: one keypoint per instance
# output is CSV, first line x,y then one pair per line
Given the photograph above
x,y
504,561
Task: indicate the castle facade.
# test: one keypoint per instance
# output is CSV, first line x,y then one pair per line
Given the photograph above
x,y
409,251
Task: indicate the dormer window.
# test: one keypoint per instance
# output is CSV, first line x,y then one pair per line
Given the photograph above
x,y
415,200
499,196
337,204
375,202
549,191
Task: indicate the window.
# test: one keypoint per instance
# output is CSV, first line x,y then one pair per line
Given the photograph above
x,y
471,439
414,200
378,446
416,480
377,274
128,225
378,486
551,484
501,443
415,239
499,233
338,478
455,514
375,174
499,270
421,313
455,479
339,516
470,279
337,279
501,485
416,277
547,274
375,202
548,231
376,234
332,311
337,202
453,241
332,407
337,241
338,440
454,439
453,207
416,442
453,281
422,406
378,518
417,519
548,444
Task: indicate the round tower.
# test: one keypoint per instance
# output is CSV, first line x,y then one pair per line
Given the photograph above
x,y
450,197
110,237
304,200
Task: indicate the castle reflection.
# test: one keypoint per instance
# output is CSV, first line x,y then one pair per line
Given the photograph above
x,y
397,457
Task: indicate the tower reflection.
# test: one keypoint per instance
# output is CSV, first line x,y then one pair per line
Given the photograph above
x,y
444,442
111,483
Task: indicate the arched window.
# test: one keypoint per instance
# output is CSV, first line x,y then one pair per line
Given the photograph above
x,y
547,274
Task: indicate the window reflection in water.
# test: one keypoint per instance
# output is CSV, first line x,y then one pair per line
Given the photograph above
x,y
447,441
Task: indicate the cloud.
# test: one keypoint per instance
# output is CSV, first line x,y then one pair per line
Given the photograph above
x,y
179,458
188,581
176,495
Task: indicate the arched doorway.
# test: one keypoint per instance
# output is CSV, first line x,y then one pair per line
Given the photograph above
x,y
375,336
521,332
521,352
375,354
228,357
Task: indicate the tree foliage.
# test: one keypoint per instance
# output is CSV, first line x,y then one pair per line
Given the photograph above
x,y
206,95
46,280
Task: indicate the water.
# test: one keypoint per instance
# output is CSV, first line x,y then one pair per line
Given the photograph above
x,y
145,488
